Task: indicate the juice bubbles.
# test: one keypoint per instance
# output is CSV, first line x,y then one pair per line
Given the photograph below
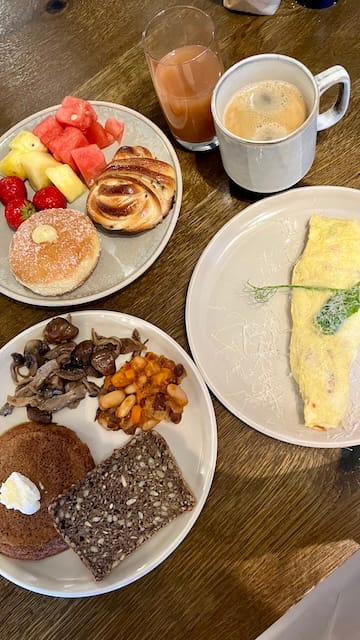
x,y
184,80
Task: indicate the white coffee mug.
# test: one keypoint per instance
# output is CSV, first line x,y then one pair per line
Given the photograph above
x,y
274,165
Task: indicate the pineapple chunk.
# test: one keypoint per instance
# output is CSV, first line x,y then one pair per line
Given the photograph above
x,y
66,180
11,164
27,141
36,164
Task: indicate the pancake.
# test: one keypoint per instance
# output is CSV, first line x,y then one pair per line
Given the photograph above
x,y
54,458
321,363
61,259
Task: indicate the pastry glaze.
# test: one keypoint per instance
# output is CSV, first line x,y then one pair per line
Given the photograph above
x,y
134,193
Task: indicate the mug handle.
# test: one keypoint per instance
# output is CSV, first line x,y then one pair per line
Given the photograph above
x,y
325,80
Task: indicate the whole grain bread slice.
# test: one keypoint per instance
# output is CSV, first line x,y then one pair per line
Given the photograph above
x,y
122,503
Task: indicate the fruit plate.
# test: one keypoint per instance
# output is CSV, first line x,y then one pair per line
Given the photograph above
x,y
193,442
123,258
242,347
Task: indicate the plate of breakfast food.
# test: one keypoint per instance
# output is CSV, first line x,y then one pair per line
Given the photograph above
x,y
100,159
108,446
278,293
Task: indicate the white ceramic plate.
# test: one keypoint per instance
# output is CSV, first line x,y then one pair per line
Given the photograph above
x,y
193,442
241,347
123,258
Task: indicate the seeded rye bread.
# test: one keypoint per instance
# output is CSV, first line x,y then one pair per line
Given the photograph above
x,y
121,503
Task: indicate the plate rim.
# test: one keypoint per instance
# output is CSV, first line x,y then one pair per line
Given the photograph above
x,y
249,212
211,463
174,213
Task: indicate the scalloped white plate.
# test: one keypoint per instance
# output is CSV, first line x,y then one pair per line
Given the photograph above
x,y
193,443
242,347
123,258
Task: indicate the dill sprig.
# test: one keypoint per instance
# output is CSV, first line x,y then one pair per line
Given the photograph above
x,y
263,294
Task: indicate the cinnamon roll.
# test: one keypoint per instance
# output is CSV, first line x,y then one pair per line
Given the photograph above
x,y
134,193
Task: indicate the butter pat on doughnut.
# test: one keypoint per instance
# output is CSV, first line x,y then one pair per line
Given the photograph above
x,y
54,251
44,233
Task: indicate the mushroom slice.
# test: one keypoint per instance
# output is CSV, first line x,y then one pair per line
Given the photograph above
x,y
53,386
34,352
36,415
75,394
6,409
141,346
17,362
71,374
23,401
43,372
60,330
107,342
123,345
82,353
61,349
103,360
92,388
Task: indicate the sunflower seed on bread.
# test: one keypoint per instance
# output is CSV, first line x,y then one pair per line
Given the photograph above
x,y
122,503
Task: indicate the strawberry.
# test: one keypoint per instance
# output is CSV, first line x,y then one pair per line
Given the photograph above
x,y
49,198
17,211
12,187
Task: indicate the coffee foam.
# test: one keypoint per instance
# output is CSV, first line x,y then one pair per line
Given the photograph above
x,y
266,110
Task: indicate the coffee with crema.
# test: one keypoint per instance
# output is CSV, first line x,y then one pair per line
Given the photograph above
x,y
266,110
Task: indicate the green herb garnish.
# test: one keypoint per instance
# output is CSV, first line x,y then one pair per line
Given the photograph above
x,y
333,313
337,309
263,294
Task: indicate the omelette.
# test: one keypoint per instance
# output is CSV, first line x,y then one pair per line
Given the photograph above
x,y
321,363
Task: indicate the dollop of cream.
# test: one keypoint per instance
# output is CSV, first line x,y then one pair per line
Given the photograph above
x,y
20,493
44,233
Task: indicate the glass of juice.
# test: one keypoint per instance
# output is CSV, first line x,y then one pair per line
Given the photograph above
x,y
185,65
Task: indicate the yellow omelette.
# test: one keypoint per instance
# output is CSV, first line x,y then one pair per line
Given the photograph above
x,y
321,363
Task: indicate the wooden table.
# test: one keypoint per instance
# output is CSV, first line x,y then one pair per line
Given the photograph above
x,y
279,517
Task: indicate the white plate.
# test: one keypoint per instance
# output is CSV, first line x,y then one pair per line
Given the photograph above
x,y
193,442
241,347
123,258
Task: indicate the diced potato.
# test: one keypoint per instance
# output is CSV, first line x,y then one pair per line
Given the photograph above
x,y
36,164
27,141
66,180
11,164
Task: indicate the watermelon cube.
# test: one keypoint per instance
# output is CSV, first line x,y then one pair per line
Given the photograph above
x,y
75,112
48,129
62,146
96,134
115,128
90,162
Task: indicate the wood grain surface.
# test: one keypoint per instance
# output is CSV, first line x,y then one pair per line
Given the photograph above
x,y
279,518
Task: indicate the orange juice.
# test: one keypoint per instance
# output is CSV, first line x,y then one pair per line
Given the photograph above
x,y
184,80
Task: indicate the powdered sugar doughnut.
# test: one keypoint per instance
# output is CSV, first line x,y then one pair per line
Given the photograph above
x,y
54,251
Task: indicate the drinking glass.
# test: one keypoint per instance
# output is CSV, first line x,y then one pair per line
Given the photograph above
x,y
185,65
